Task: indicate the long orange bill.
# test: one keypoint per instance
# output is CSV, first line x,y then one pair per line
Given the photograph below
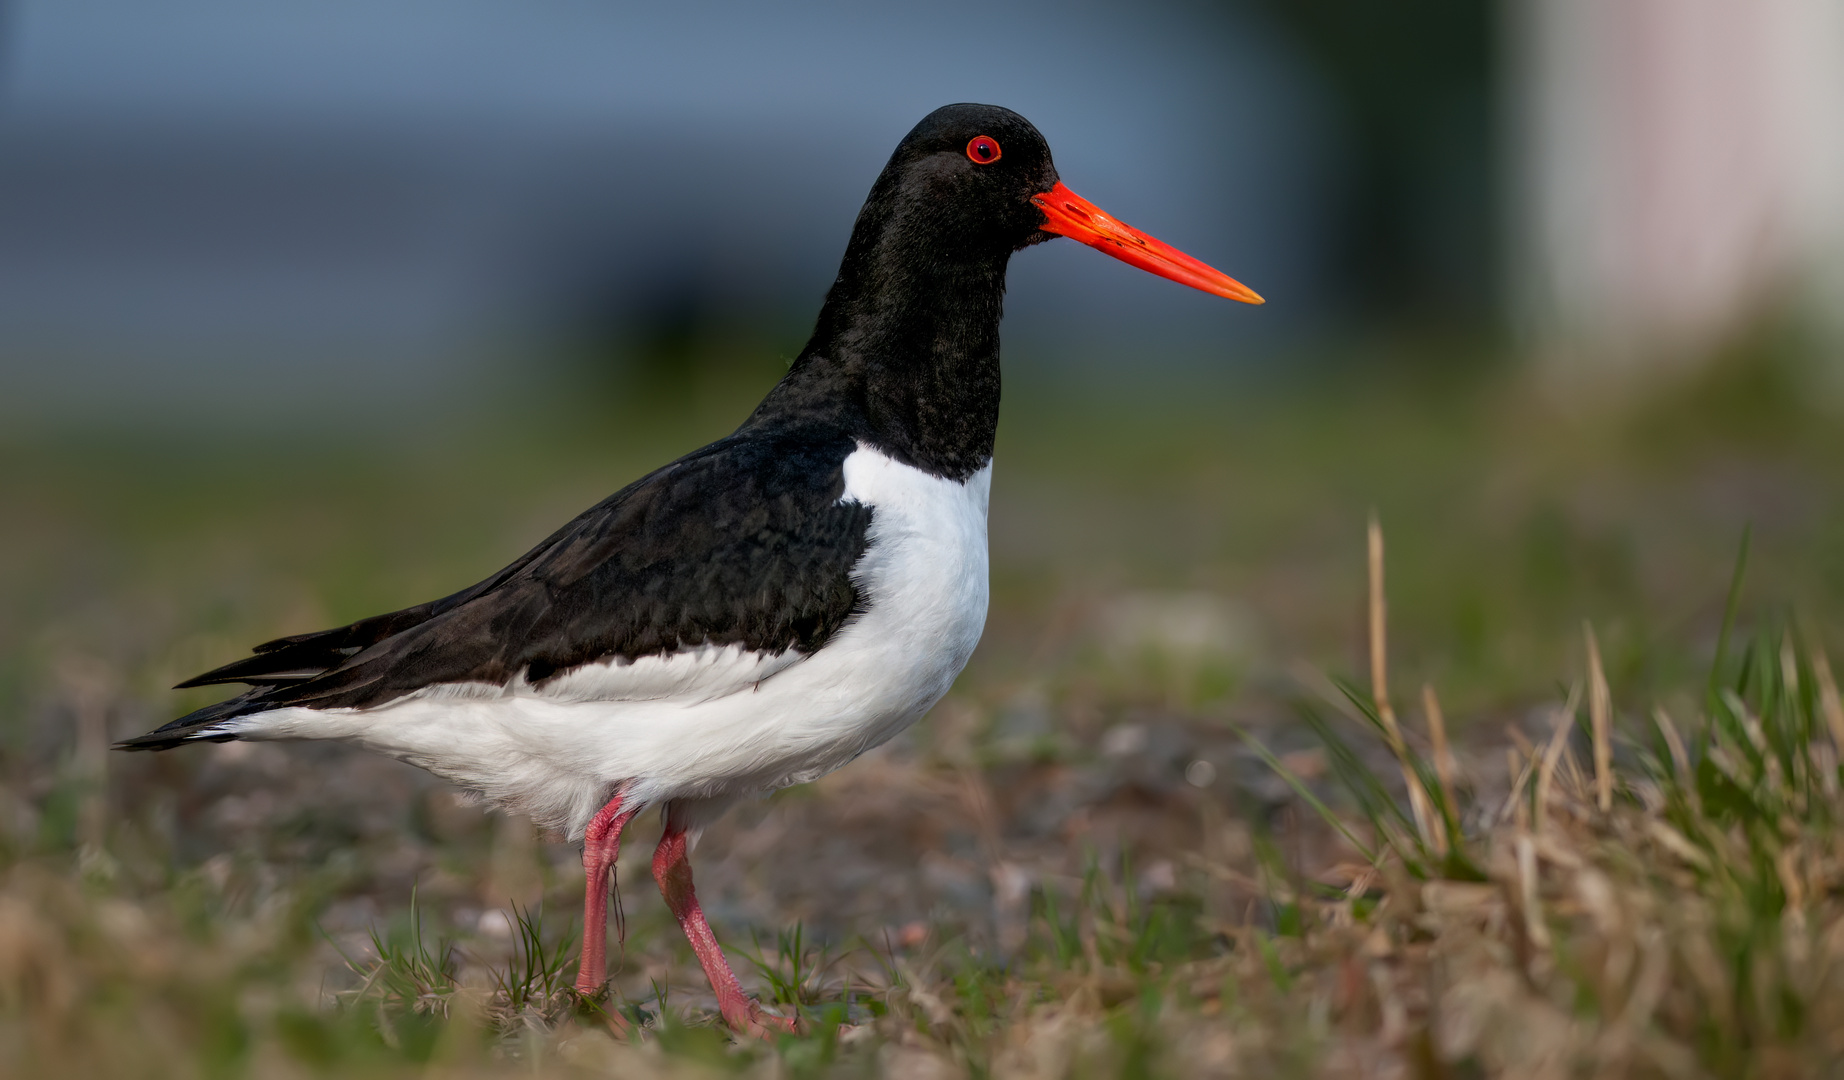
x,y
1069,214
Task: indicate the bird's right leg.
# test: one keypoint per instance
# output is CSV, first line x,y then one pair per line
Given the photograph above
x,y
601,845
672,869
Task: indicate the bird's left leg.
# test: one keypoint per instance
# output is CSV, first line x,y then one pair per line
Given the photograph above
x,y
601,845
672,869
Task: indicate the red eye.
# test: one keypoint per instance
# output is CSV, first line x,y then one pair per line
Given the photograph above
x,y
984,150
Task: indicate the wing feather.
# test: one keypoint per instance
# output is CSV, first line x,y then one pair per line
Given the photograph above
x,y
744,547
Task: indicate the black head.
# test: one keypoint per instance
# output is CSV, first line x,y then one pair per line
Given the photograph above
x,y
971,184
905,355
965,176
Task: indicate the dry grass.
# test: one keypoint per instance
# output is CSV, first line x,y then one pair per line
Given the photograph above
x,y
1670,907
1132,843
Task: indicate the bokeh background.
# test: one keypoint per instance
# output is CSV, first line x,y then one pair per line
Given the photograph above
x,y
311,310
209,205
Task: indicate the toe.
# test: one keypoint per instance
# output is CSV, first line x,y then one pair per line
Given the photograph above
x,y
766,1025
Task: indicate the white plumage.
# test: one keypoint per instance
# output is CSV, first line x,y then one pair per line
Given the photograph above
x,y
703,727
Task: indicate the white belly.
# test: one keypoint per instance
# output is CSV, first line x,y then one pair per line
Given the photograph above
x,y
715,723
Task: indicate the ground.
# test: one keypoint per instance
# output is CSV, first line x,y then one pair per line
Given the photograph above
x,y
1159,827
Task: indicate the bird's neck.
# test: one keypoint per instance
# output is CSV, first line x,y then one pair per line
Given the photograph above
x,y
906,352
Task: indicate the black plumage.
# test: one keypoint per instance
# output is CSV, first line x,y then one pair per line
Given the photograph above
x,y
743,542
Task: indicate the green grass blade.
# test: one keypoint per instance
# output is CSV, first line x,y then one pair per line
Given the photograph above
x,y
1729,609
1304,792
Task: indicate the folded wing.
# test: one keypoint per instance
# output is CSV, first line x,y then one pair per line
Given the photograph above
x,y
737,557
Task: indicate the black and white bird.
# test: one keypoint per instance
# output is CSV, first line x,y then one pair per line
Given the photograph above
x,y
758,612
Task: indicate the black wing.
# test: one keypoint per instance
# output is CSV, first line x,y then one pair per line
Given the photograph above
x,y
742,543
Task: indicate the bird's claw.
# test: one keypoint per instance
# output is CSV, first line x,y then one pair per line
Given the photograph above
x,y
763,1024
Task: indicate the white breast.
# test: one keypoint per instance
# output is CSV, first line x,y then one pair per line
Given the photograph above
x,y
924,582
710,723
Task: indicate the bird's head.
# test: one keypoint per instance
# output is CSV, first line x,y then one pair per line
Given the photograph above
x,y
979,178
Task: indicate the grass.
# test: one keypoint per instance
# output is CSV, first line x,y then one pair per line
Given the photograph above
x,y
406,974
1293,824
1672,914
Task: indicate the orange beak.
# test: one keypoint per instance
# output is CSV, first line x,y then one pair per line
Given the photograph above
x,y
1069,214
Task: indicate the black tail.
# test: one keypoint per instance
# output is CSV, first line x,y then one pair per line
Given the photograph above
x,y
284,671
190,727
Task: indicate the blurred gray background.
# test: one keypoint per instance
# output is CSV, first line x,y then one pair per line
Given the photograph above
x,y
292,206
280,208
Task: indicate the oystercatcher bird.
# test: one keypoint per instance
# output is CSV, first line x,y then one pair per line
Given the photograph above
x,y
757,613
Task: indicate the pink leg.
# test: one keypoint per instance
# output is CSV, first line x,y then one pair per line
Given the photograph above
x,y
672,869
601,844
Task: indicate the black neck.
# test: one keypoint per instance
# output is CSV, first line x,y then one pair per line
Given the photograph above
x,y
906,352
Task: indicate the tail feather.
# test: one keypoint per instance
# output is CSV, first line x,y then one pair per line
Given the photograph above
x,y
300,657
284,671
292,659
196,726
